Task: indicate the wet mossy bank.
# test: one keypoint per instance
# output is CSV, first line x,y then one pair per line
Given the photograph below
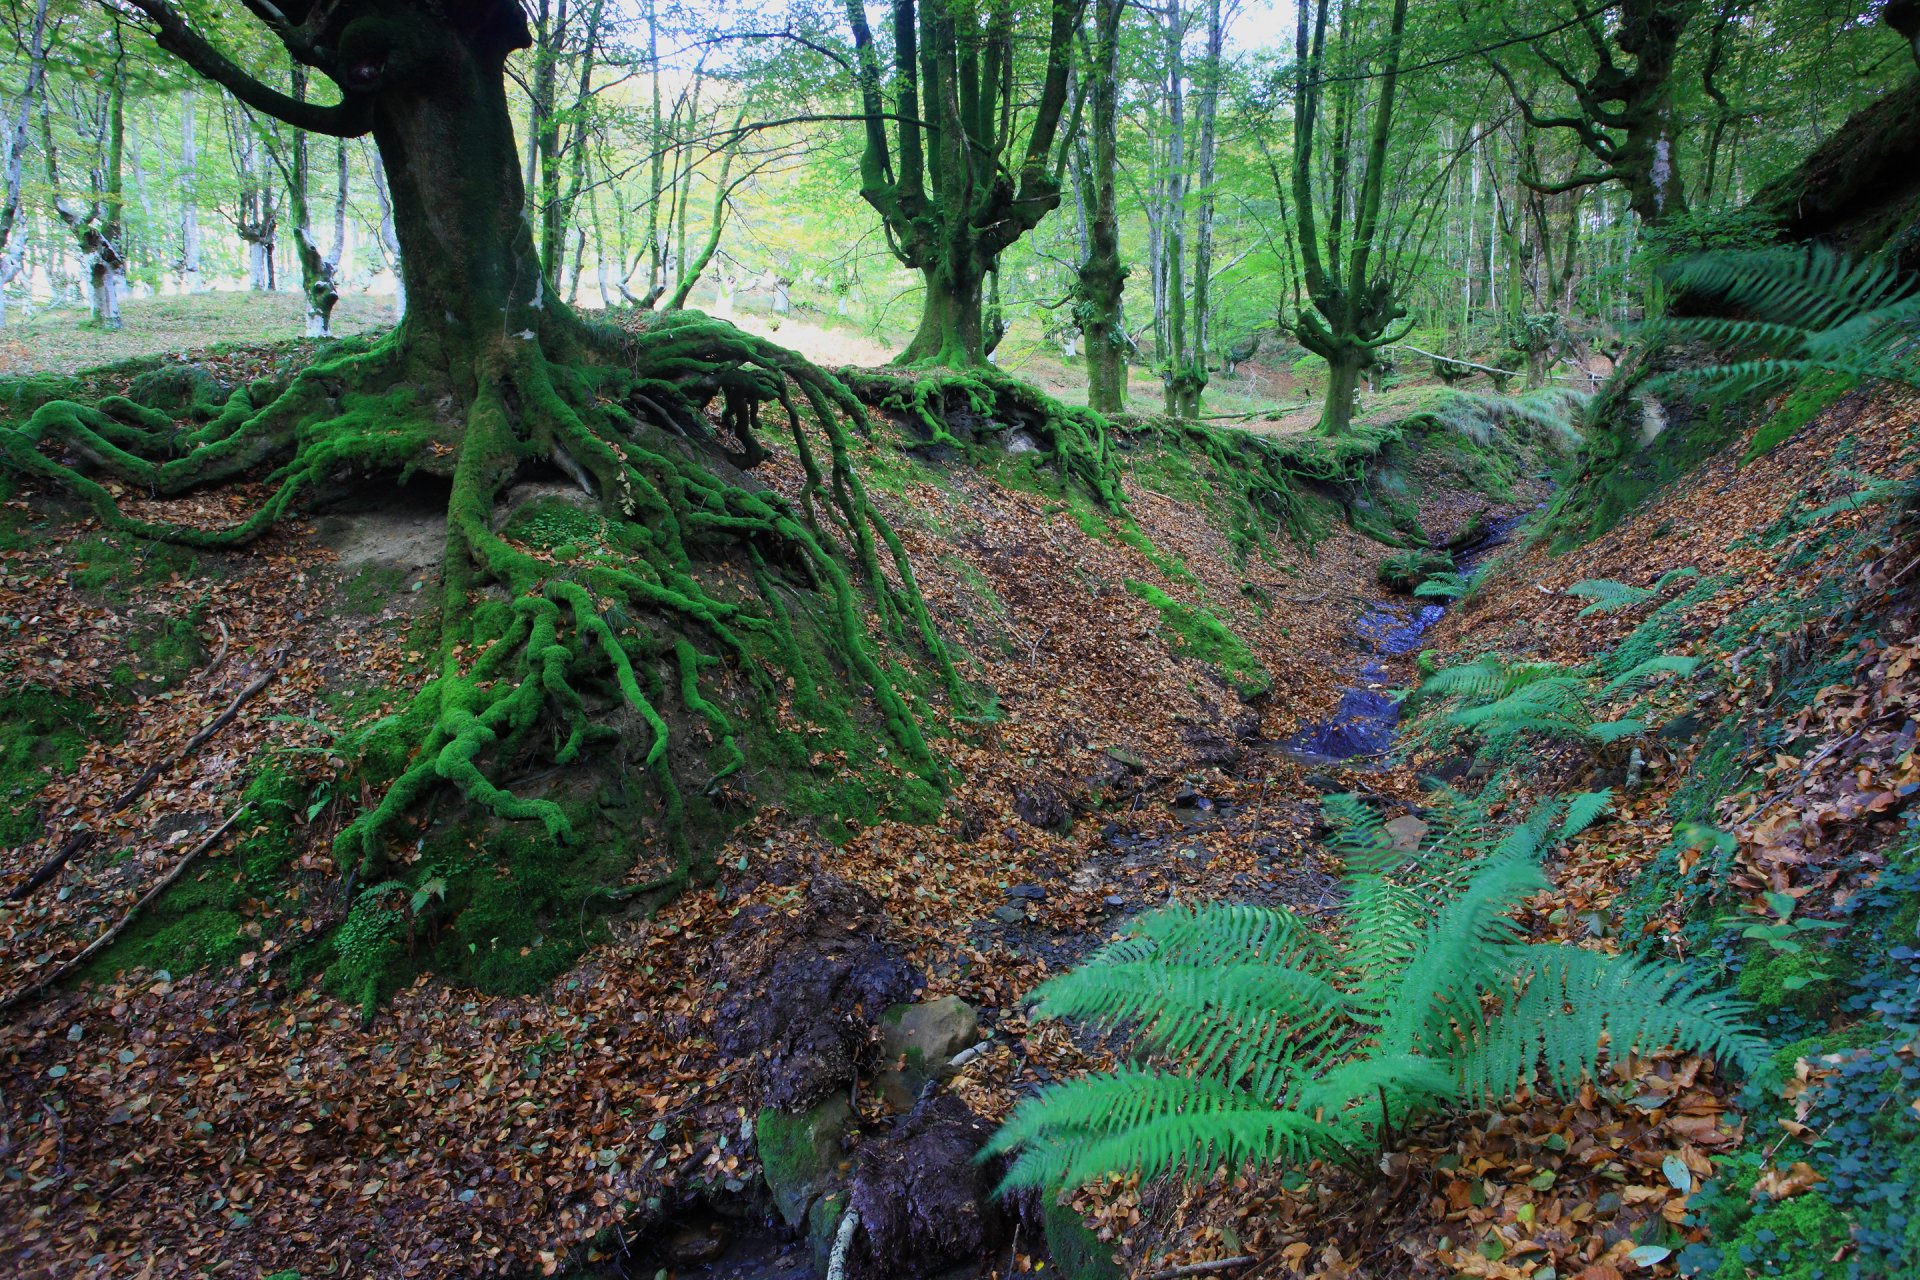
x,y
504,906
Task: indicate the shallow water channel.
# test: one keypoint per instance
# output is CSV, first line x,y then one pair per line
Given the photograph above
x,y
1361,726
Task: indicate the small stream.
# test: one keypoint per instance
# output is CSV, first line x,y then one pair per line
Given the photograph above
x,y
1361,726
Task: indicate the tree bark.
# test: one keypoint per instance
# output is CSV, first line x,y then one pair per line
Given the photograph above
x,y
962,188
1102,275
12,244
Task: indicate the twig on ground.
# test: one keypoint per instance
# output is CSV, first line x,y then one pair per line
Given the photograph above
x,y
82,838
1205,1268
100,943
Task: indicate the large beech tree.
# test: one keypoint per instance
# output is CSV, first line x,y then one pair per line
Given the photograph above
x,y
1618,65
1355,300
699,587
973,160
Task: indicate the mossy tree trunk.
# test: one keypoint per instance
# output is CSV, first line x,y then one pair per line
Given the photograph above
x,y
1354,305
490,376
1097,293
952,184
1623,112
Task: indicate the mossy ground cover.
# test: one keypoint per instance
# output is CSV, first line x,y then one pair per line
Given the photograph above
x,y
518,996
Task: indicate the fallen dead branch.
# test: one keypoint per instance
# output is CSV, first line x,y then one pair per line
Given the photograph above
x,y
82,838
1205,1268
105,940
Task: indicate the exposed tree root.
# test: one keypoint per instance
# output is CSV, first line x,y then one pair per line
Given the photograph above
x,y
530,639
1079,440
1265,479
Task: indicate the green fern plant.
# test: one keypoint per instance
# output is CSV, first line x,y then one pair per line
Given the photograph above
x,y
1788,311
1503,702
1445,586
1609,596
1274,1044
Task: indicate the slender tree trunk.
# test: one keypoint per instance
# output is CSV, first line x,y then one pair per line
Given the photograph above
x,y
1174,357
190,278
317,276
390,240
12,242
722,188
1196,382
1102,276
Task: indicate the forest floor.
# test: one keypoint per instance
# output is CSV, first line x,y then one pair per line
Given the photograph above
x,y
226,1120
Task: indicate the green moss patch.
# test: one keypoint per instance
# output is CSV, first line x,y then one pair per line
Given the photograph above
x,y
113,564
218,911
43,734
1818,389
1197,633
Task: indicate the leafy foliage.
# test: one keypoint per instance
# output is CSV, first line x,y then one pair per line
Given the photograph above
x,y
1792,310
1503,701
1281,1045
1609,596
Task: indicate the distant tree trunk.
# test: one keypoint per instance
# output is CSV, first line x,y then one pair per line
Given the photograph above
x,y
190,278
722,189
1173,245
390,240
13,241
319,271
1203,230
1352,307
97,226
1102,275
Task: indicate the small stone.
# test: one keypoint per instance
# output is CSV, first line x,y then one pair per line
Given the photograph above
x,y
1115,900
694,1246
1031,892
1406,832
919,1042
1009,915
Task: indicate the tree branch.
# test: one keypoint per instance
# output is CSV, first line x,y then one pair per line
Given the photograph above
x,y
347,119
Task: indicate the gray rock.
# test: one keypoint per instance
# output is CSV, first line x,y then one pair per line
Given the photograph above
x,y
918,1043
1009,915
1031,892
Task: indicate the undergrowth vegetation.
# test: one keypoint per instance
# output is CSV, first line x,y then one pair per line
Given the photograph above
x,y
1283,1044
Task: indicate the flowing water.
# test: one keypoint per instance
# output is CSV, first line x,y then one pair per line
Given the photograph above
x,y
1361,726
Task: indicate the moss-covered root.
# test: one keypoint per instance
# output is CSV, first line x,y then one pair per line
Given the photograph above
x,y
524,637
311,427
1079,440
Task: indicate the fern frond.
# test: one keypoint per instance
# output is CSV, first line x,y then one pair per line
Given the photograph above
x,y
1640,676
1608,596
1462,953
1571,999
1607,732
1672,576
1796,309
1445,586
1220,932
1583,810
1148,1121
